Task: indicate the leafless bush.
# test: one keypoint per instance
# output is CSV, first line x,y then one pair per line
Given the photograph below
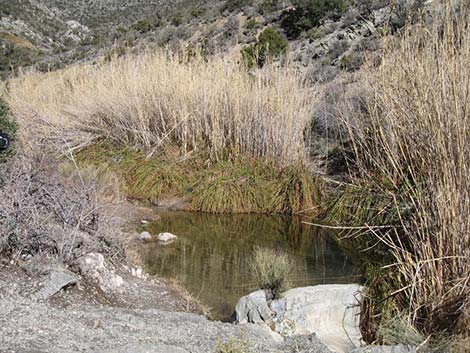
x,y
39,214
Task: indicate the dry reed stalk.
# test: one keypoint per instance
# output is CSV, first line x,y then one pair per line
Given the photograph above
x,y
416,132
155,98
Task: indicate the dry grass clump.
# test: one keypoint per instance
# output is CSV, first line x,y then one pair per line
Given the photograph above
x,y
157,98
271,269
416,132
42,214
233,345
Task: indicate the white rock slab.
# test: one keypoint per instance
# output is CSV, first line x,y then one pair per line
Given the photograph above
x,y
166,237
330,311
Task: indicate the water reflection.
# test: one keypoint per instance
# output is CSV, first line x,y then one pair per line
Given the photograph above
x,y
210,257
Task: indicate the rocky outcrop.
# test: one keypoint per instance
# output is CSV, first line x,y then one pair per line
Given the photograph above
x,y
254,309
329,311
94,267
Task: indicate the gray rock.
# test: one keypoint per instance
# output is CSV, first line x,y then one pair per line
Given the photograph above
x,y
94,267
385,349
330,311
166,237
59,278
253,308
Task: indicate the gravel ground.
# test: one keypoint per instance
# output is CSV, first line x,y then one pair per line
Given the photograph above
x,y
143,317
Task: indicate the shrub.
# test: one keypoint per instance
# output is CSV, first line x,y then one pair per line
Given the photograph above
x,y
232,5
271,269
8,127
251,24
307,14
270,44
267,6
146,25
198,11
42,214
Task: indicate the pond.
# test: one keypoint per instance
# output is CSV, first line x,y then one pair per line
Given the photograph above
x,y
211,256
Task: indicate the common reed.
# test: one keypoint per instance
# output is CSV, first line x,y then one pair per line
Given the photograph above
x,y
157,98
415,131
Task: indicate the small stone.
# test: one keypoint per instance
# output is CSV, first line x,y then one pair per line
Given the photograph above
x,y
166,237
145,236
137,272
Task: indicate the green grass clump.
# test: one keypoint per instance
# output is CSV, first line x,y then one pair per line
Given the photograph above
x,y
298,191
150,180
233,184
271,269
145,179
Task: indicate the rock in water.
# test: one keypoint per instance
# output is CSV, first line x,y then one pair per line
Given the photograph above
x,y
253,308
166,237
59,278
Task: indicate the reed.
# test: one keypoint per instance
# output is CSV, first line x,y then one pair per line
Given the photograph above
x,y
156,98
415,132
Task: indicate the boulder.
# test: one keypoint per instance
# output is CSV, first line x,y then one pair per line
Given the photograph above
x,y
253,308
385,349
166,237
331,312
94,267
59,279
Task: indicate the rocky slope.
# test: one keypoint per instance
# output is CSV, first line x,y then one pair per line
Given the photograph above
x,y
326,38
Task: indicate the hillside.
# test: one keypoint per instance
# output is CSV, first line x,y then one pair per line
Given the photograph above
x,y
326,37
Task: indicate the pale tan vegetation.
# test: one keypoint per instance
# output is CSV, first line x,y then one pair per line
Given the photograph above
x,y
156,98
413,142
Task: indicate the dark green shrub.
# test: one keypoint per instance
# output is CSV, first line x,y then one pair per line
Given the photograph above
x,y
8,127
146,25
198,11
251,24
267,6
270,44
232,5
307,14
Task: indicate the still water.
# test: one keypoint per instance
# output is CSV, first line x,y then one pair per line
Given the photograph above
x,y
211,255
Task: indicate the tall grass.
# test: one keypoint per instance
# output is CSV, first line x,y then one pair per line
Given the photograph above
x,y
416,132
158,98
